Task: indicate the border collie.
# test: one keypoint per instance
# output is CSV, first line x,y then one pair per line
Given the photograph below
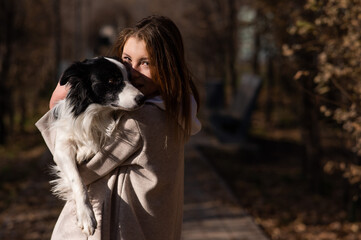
x,y
85,121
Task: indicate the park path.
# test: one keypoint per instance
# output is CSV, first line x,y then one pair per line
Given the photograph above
x,y
211,212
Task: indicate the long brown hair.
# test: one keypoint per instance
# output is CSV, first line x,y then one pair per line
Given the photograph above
x,y
168,66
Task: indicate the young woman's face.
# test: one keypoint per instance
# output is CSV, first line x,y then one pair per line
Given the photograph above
x,y
135,55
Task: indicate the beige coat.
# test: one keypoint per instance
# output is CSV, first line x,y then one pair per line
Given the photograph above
x,y
135,183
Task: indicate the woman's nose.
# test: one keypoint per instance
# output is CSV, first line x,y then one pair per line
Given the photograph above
x,y
134,72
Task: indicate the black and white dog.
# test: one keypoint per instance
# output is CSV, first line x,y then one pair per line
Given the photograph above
x,y
84,121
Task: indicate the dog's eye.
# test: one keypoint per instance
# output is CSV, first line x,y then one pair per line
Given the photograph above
x,y
112,80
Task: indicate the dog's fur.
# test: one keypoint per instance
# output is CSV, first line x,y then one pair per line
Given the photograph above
x,y
85,120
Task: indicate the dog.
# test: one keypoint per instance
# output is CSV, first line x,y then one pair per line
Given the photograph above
x,y
100,91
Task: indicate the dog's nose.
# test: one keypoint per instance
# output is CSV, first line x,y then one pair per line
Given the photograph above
x,y
140,99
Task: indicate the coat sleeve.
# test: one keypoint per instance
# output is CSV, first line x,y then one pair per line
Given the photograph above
x,y
121,151
48,134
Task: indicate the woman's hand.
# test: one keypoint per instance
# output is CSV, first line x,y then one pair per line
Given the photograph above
x,y
59,93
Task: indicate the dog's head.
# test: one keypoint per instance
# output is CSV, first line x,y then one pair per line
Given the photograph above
x,y
103,81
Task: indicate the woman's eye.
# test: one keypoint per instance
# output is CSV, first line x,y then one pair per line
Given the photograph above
x,y
126,59
146,63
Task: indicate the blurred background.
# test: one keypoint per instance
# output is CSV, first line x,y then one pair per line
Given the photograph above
x,y
280,88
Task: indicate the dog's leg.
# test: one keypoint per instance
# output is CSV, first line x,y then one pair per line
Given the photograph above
x,y
83,154
64,155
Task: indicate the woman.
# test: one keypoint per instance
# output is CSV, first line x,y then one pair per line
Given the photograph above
x,y
136,184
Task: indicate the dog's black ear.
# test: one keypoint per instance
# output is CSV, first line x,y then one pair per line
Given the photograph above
x,y
76,70
79,95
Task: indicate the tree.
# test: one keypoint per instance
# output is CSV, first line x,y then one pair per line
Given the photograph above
x,y
214,27
7,17
329,30
25,59
276,29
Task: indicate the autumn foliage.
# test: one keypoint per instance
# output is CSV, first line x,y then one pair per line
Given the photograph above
x,y
330,30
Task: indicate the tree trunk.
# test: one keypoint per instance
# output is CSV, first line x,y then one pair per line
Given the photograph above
x,y
78,39
270,83
232,46
257,45
312,166
5,93
57,38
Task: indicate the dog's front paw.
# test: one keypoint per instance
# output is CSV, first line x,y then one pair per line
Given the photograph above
x,y
86,220
84,154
